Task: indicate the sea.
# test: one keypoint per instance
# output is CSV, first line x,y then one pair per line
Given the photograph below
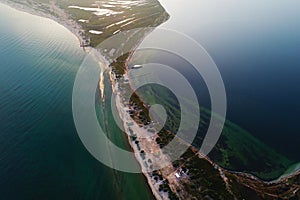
x,y
41,155
256,47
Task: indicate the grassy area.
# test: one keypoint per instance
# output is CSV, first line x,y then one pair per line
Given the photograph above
x,y
139,14
144,14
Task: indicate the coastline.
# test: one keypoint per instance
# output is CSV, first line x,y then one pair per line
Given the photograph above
x,y
74,28
77,31
122,114
62,18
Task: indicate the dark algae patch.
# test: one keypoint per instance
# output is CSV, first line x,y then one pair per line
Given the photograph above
x,y
236,149
212,177
240,151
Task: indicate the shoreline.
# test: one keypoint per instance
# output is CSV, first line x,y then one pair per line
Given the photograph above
x,y
122,112
75,28
62,18
76,32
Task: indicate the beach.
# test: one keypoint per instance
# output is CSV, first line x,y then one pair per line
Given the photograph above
x,y
41,154
146,139
77,30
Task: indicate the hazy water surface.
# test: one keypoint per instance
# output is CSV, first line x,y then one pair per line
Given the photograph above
x,y
41,156
256,46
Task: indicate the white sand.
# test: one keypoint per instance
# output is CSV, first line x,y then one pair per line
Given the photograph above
x,y
83,20
97,11
95,32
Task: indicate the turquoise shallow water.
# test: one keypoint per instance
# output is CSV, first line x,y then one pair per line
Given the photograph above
x,y
41,156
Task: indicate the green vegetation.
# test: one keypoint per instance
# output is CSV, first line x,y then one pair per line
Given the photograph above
x,y
147,14
236,150
166,188
205,180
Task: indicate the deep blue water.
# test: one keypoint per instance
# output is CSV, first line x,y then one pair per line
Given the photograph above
x,y
256,46
41,155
